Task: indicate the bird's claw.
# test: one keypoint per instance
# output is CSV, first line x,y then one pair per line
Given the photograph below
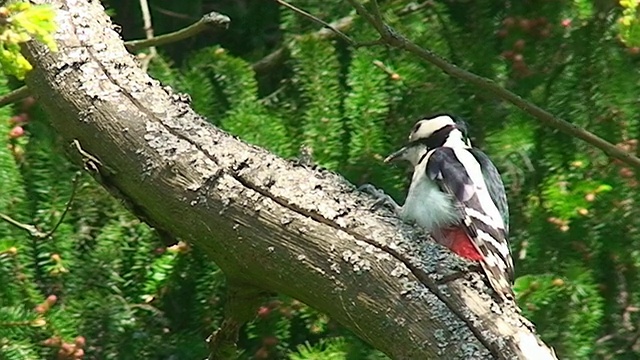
x,y
381,197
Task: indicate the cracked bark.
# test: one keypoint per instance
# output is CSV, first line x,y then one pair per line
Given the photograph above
x,y
264,220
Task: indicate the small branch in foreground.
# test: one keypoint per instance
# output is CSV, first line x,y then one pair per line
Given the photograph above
x,y
14,96
212,20
392,38
33,230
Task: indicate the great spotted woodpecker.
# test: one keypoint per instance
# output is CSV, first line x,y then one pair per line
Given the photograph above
x,y
457,195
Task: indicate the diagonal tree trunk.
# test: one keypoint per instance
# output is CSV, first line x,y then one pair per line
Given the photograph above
x,y
266,221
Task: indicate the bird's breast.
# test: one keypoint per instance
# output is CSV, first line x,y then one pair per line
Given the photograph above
x,y
428,206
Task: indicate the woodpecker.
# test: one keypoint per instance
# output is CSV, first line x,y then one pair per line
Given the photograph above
x,y
457,195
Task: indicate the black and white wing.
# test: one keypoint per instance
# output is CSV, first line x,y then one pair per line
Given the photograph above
x,y
495,186
458,173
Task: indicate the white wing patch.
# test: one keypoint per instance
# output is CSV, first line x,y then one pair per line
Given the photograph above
x,y
484,218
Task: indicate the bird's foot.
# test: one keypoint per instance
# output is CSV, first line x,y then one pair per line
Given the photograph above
x,y
382,199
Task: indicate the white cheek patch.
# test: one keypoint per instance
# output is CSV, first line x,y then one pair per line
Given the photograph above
x,y
429,126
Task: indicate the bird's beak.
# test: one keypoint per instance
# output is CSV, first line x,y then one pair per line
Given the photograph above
x,y
398,155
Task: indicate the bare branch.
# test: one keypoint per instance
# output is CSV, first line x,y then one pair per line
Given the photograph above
x,y
212,20
277,57
148,30
74,189
413,7
392,38
317,20
360,9
33,230
14,96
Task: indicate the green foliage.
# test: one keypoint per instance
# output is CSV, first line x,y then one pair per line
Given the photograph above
x,y
19,23
574,211
565,197
366,107
629,22
246,113
584,9
195,77
332,349
317,71
576,312
18,350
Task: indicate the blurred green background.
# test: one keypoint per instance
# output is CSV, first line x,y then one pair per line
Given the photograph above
x,y
105,287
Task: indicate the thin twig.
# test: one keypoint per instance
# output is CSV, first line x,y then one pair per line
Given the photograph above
x,y
392,38
278,57
360,9
208,21
270,61
377,14
91,163
14,96
16,323
174,14
74,189
317,20
528,107
148,30
33,230
212,20
633,341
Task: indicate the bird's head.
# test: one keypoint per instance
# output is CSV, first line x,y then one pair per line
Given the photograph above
x,y
430,133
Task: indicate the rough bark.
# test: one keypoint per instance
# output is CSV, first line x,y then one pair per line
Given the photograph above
x,y
264,220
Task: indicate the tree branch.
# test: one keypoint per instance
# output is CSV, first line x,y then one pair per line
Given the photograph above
x,y
392,38
14,96
148,30
212,20
241,304
32,229
267,222
278,57
326,25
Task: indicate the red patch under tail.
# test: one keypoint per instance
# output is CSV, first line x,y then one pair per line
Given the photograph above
x,y
459,242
